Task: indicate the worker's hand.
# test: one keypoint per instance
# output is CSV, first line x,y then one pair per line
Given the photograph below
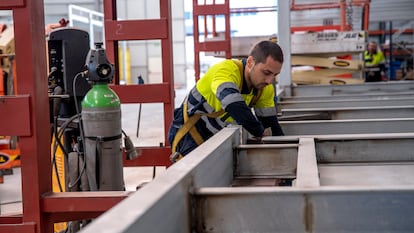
x,y
267,132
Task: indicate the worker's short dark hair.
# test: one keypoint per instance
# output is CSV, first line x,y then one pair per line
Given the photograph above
x,y
266,48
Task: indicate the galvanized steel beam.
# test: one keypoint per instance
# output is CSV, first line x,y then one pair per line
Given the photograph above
x,y
165,204
321,209
343,113
346,103
352,89
364,96
195,194
358,126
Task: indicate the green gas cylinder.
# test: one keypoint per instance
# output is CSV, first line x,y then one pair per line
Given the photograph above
x,y
101,119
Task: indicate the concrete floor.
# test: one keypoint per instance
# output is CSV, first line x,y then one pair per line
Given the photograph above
x,y
151,133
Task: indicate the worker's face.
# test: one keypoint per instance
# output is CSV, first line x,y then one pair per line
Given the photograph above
x,y
372,48
260,75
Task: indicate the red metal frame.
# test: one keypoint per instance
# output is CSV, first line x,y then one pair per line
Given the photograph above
x,y
116,30
212,10
30,111
341,4
365,4
34,140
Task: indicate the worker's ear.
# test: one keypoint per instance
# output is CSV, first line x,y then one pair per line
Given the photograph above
x,y
250,62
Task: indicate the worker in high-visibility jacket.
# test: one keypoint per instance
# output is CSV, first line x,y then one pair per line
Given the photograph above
x,y
225,95
374,63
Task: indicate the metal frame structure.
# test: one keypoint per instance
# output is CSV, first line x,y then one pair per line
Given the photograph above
x,y
203,45
145,29
343,109
341,5
27,114
352,175
330,189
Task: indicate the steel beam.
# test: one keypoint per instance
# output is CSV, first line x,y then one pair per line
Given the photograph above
x,y
165,204
196,194
352,89
346,103
266,161
15,109
307,174
364,96
343,113
68,206
357,148
358,126
322,209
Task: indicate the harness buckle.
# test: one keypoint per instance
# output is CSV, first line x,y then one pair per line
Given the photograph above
x,y
174,157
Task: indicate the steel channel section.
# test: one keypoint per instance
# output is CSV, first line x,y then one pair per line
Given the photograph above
x,y
352,89
358,126
347,148
165,204
346,103
307,174
290,209
367,174
309,207
365,96
194,195
271,161
343,113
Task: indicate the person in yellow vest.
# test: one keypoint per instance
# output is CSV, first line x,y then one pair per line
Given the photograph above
x,y
225,95
374,63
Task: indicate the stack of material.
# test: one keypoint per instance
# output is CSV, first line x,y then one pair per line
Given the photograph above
x,y
316,57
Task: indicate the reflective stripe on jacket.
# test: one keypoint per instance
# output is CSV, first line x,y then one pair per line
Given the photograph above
x,y
221,86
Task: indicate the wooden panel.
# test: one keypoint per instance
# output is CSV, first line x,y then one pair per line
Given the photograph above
x,y
328,62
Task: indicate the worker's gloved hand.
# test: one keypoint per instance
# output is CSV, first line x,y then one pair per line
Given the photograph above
x,y
267,132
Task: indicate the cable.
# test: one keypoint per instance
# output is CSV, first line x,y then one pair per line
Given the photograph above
x,y
77,109
58,135
74,91
81,132
54,156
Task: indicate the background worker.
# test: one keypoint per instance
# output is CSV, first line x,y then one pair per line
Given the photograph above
x,y
225,95
374,63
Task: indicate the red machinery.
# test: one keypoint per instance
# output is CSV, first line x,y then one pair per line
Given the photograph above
x,y
26,115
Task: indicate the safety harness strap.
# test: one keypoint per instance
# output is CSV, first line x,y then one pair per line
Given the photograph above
x,y
188,125
189,122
